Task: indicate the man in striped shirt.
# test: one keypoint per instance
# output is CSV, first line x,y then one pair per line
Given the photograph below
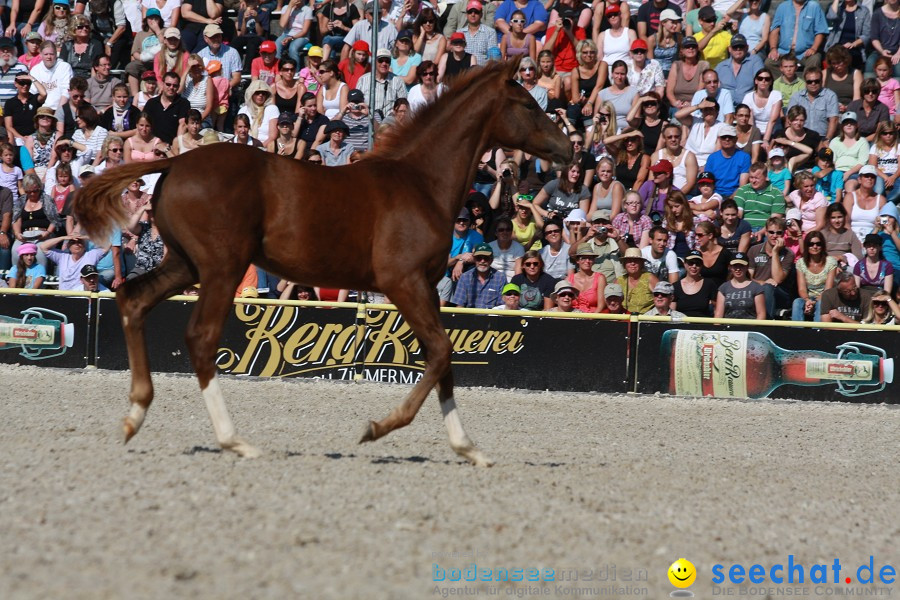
x,y
759,200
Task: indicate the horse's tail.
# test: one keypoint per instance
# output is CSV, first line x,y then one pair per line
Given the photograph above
x,y
98,205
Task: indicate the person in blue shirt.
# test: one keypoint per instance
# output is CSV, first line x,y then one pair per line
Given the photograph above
x,y
828,181
536,17
730,166
480,287
463,245
805,39
886,227
738,81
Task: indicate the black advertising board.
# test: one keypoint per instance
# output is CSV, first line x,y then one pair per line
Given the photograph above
x,y
263,340
692,359
505,350
45,330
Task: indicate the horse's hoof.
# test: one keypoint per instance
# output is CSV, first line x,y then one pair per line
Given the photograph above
x,y
474,456
369,433
242,449
129,429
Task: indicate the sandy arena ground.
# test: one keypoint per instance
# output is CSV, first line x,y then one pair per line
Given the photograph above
x,y
581,482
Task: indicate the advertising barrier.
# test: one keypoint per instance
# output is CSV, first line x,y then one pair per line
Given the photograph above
x,y
734,360
49,329
278,339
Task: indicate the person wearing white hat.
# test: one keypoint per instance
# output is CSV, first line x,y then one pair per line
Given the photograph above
x,y
729,165
663,295
851,151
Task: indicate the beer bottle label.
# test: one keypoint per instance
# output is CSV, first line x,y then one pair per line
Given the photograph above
x,y
832,368
711,363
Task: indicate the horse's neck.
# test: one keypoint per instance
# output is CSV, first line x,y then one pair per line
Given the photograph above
x,y
449,160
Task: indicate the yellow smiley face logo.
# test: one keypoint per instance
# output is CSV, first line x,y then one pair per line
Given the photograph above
x,y
682,573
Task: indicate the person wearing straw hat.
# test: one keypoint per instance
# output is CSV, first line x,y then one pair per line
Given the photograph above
x,y
587,281
564,295
637,283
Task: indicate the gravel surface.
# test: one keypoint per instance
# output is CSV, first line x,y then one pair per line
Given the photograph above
x,y
581,482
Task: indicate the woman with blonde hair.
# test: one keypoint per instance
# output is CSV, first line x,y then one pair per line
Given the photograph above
x,y
585,80
550,80
679,220
80,49
55,26
604,126
882,310
260,110
608,193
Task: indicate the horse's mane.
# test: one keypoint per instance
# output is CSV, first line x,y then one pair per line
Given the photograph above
x,y
396,139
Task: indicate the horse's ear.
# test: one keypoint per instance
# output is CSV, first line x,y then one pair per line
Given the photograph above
x,y
512,68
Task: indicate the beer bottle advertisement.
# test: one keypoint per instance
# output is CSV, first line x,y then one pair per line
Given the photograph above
x,y
793,363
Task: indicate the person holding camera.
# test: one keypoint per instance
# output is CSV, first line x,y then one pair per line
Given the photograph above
x,y
356,115
561,196
607,243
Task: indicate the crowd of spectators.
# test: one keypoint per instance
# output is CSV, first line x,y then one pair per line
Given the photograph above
x,y
731,158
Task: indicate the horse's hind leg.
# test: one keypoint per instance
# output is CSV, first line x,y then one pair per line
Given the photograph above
x,y
203,334
135,299
417,302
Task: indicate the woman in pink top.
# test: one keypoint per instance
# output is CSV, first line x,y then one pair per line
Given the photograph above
x,y
811,203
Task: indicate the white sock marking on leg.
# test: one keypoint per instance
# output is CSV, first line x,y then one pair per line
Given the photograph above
x,y
458,437
218,413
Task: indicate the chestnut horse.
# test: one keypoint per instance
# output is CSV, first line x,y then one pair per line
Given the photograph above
x,y
223,207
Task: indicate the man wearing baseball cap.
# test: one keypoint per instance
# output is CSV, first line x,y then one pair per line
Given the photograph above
x,y
457,16
479,37
216,50
90,280
482,286
10,68
648,16
736,74
265,66
463,244
388,87
728,164
663,295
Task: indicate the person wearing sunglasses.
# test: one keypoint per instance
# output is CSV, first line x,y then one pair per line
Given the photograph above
x,y
463,243
511,295
564,296
528,79
516,42
507,250
771,265
19,111
882,310
815,274
870,111
536,286
427,90
388,87
765,104
820,104
480,287
80,51
479,37
645,76
883,158
740,72
663,295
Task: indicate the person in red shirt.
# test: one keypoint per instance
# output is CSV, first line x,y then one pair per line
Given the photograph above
x,y
356,64
562,36
265,66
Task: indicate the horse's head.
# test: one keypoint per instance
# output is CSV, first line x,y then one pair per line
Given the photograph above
x,y
520,123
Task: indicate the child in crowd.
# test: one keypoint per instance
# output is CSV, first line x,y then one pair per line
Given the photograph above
x,y
890,87
706,205
10,174
779,174
829,181
222,90
793,232
307,74
149,88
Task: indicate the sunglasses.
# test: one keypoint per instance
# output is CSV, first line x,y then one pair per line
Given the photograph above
x,y
517,20
870,92
888,132
110,150
288,68
532,263
526,70
654,104
660,295
473,11
427,73
82,27
60,7
321,72
432,21
764,79
565,295
551,231
22,82
812,244
577,142
777,232
813,81
175,85
484,258
462,220
639,51
380,60
880,302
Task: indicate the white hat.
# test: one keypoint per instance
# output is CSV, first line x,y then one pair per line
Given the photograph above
x,y
868,170
776,152
669,15
794,214
727,130
576,216
848,116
